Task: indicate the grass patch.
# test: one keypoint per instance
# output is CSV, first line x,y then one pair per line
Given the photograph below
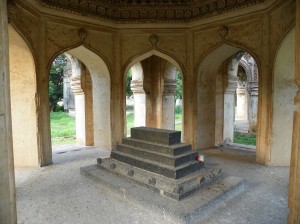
x,y
245,139
130,122
63,129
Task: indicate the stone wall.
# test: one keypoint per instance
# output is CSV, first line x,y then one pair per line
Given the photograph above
x,y
198,49
8,212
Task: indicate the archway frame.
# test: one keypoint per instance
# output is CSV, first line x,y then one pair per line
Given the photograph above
x,y
263,147
103,62
147,54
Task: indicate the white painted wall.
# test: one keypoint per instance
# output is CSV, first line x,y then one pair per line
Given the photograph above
x,y
23,102
283,101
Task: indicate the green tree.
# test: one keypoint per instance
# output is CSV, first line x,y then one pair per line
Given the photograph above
x,y
128,81
56,81
178,94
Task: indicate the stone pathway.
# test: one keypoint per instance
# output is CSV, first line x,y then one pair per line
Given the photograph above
x,y
58,194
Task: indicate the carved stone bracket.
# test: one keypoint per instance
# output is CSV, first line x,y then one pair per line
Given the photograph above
x,y
82,33
169,86
223,32
76,85
232,84
11,10
137,86
153,40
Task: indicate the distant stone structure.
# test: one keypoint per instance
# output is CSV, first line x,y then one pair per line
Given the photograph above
x,y
69,100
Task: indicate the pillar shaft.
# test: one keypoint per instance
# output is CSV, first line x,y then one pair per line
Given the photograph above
x,y
7,185
168,104
294,191
139,97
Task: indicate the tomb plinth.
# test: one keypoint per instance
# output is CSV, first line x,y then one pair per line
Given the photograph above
x,y
157,160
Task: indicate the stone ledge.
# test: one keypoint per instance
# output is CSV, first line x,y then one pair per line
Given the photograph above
x,y
173,188
189,210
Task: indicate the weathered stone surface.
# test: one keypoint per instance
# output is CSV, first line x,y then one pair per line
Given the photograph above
x,y
162,136
174,150
167,169
189,210
159,168
157,156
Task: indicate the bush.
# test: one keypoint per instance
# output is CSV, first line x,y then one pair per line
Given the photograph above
x,y
59,109
245,139
178,109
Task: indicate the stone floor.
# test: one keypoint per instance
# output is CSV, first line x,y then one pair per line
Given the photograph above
x,y
59,194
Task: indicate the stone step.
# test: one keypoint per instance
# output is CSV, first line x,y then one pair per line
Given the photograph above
x,y
174,150
173,161
156,167
173,188
155,135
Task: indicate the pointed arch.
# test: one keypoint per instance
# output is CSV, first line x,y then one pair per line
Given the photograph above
x,y
215,94
140,57
156,93
23,90
101,83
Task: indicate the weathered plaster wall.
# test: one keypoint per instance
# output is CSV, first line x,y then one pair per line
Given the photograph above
x,y
120,48
283,101
23,104
8,212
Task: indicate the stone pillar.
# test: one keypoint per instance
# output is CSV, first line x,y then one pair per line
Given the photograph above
x,y
80,110
168,104
241,104
253,103
7,185
153,84
139,97
294,191
69,101
229,106
87,87
229,95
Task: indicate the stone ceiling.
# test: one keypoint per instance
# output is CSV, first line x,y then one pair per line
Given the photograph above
x,y
141,11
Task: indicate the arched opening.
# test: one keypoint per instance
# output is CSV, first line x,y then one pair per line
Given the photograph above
x,y
217,86
245,122
70,84
153,84
90,83
101,94
23,101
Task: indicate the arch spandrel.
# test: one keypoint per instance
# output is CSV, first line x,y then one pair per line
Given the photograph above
x,y
61,37
172,45
103,60
153,52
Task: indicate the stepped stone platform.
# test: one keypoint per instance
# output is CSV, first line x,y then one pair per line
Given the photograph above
x,y
153,168
157,160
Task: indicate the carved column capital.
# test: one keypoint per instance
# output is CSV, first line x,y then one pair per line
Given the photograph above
x,y
232,84
137,86
253,88
169,87
76,85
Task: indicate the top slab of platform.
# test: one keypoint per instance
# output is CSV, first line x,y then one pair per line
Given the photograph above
x,y
155,135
